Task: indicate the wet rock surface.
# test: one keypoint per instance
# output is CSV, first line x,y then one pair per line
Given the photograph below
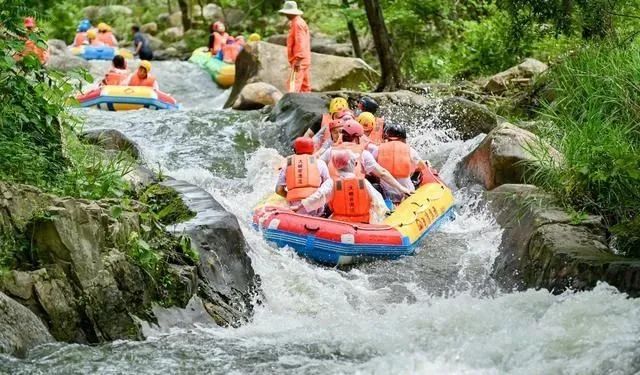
x,y
20,329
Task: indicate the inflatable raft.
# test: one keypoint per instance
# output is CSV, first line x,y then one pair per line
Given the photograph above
x,y
335,243
224,74
126,98
100,52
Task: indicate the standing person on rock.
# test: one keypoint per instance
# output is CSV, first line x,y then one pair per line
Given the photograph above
x,y
141,46
298,49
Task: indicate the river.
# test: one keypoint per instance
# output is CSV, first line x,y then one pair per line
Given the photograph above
x,y
433,313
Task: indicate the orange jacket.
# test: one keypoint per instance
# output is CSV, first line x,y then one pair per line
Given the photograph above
x,y
219,40
395,156
303,177
80,39
299,43
351,201
357,149
30,48
107,38
136,81
115,76
378,130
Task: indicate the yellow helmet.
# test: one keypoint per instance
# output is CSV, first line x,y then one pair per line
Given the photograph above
x,y
103,26
145,64
338,104
367,120
91,34
254,37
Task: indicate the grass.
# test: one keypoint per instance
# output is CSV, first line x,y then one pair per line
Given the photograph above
x,y
595,118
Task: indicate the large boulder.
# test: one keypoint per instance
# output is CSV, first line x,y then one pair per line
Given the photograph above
x,y
150,28
111,12
257,95
544,247
212,12
229,283
57,47
469,119
323,45
518,75
91,12
155,43
111,139
60,58
175,19
266,62
233,17
506,155
172,34
294,114
20,329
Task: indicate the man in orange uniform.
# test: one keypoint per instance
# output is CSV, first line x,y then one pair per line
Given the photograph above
x,y
30,47
142,77
302,176
118,72
298,49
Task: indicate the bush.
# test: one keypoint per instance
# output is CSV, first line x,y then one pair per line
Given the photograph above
x,y
595,116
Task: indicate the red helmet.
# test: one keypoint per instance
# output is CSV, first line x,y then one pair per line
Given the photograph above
x,y
353,128
341,158
29,22
303,145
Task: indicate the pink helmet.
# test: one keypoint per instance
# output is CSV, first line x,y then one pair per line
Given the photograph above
x,y
353,128
335,124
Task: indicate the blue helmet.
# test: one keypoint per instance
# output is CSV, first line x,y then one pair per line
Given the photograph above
x,y
84,25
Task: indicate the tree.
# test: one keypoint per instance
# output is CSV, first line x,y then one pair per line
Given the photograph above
x,y
391,78
353,32
185,8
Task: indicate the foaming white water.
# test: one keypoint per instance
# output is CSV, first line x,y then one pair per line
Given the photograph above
x,y
435,312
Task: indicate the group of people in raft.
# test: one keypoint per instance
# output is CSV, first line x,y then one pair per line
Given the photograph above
x,y
102,35
334,168
224,46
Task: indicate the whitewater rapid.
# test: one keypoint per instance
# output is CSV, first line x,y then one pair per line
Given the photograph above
x,y
433,313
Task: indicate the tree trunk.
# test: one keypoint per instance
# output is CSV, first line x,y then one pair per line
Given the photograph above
x,y
391,78
169,7
186,19
353,32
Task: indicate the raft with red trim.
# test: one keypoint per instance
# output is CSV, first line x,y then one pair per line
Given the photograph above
x,y
126,98
334,242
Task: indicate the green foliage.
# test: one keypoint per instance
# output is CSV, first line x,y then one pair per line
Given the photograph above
x,y
595,116
62,20
166,204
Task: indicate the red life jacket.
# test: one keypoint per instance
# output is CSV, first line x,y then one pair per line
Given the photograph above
x,y
80,39
136,81
115,77
357,150
302,176
230,53
351,201
395,156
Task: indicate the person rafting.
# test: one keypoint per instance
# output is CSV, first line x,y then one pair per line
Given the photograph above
x,y
141,46
322,144
351,133
368,104
217,38
230,50
118,72
298,49
141,77
92,38
302,176
400,159
81,35
336,105
106,36
372,127
30,47
348,194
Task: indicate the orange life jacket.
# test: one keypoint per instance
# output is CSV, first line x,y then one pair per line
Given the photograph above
x,y
96,43
351,201
106,38
377,132
395,156
230,53
302,176
30,48
115,76
136,81
356,149
80,39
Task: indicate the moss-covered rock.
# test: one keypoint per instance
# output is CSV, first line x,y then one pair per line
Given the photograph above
x,y
167,204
